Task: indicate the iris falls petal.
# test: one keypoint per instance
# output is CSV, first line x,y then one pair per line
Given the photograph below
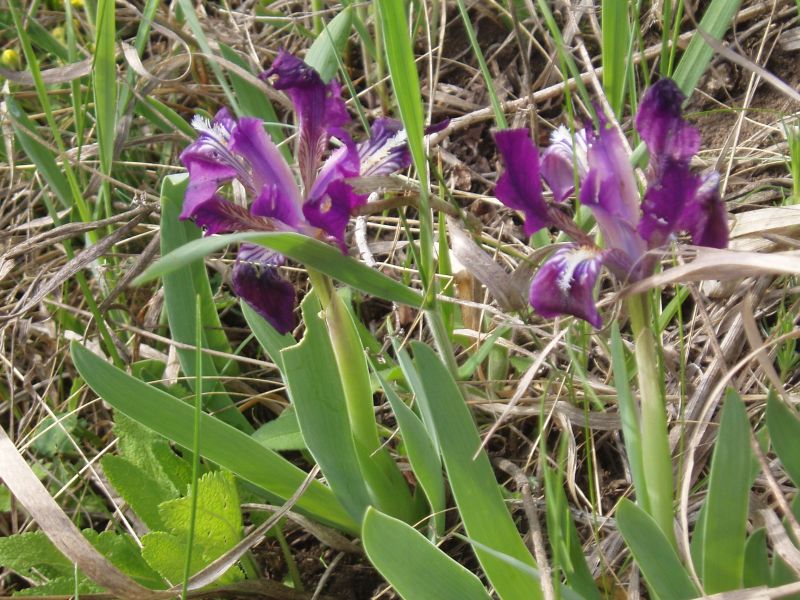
x,y
256,280
564,284
519,187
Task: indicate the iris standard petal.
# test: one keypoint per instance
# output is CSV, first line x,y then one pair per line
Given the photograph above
x,y
386,151
666,200
564,284
661,125
249,140
704,215
560,160
256,280
319,108
519,187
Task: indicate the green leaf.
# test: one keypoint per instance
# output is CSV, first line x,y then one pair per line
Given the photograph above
x,y
281,434
26,553
126,555
61,586
140,490
220,443
783,424
422,454
654,554
475,489
727,501
269,338
756,560
415,567
318,398
329,45
181,288
468,368
104,79
616,42
166,553
52,435
41,155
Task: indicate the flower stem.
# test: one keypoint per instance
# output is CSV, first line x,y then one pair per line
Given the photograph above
x,y
656,455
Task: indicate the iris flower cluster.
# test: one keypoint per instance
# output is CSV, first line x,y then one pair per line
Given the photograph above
x,y
675,199
240,152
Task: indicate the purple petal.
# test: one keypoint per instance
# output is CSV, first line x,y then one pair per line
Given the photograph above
x,y
218,215
519,187
319,107
262,287
661,126
564,284
704,216
665,202
613,188
268,166
331,200
386,151
560,160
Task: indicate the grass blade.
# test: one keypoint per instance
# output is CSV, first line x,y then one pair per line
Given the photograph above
x,y
328,47
616,41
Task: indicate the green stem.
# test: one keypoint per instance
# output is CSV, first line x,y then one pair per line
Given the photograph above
x,y
654,437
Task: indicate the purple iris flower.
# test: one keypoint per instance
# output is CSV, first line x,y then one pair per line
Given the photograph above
x,y
241,153
675,199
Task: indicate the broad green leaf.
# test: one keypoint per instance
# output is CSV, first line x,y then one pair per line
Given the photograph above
x,y
329,45
272,341
220,443
282,433
181,288
422,454
318,399
62,586
416,568
655,555
166,552
756,560
126,555
140,490
52,436
26,553
784,431
727,501
475,489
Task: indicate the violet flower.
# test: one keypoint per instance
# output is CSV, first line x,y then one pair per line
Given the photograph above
x,y
675,200
241,152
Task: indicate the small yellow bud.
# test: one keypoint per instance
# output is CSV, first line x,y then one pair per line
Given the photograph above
x,y
60,34
76,3
10,59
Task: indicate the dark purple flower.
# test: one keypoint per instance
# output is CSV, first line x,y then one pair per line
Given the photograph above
x,y
675,199
240,152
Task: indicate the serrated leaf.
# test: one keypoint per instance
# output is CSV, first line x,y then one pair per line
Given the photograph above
x,y
52,434
24,552
61,586
166,553
126,555
218,524
141,491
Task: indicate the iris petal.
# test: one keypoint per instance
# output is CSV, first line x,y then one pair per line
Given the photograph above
x,y
219,215
386,151
665,202
319,108
519,187
661,125
564,284
256,280
560,159
249,140
704,215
